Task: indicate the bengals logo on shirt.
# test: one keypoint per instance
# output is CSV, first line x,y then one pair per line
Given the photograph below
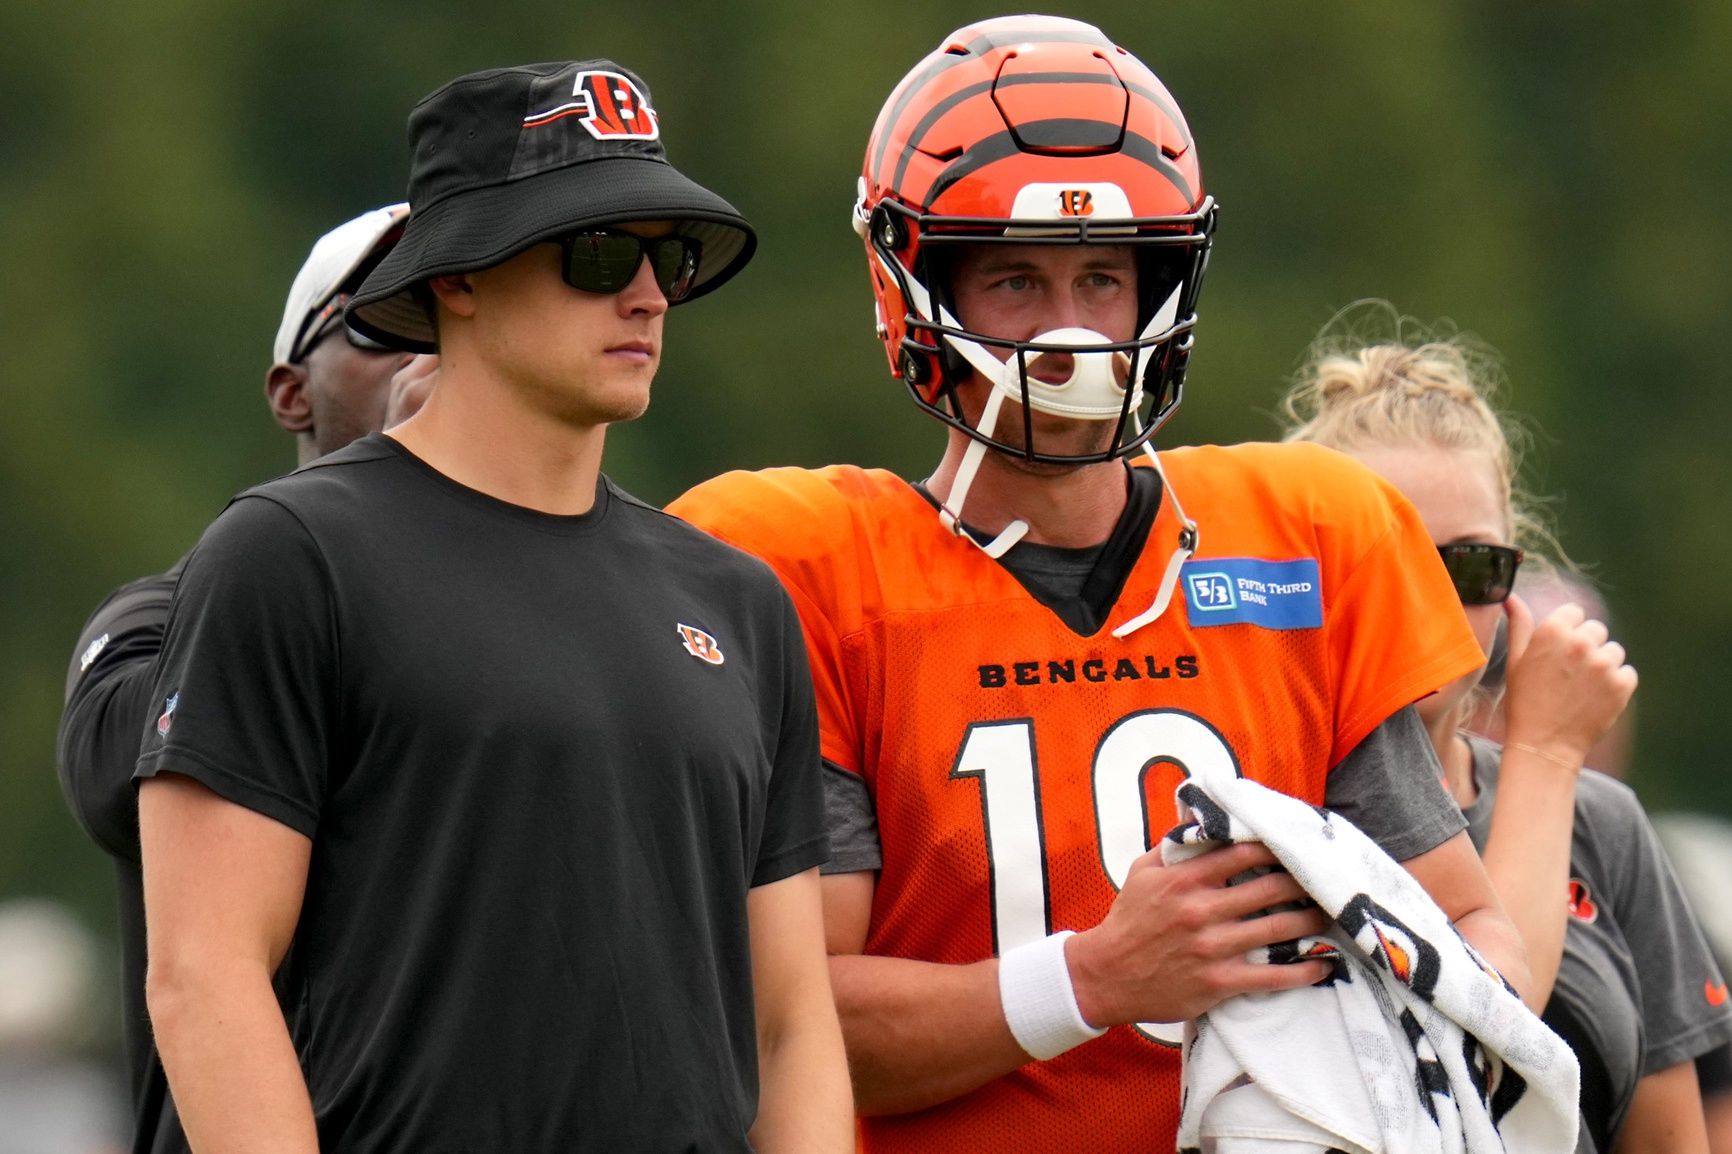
x,y
700,644
1582,905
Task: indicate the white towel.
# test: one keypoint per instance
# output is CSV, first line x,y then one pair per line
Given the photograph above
x,y
1414,1045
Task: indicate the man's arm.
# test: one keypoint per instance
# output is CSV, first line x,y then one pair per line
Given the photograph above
x,y
1456,880
223,888
1390,786
1172,946
803,1103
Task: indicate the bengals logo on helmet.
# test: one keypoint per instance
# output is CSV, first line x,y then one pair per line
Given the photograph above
x,y
611,105
1076,202
700,644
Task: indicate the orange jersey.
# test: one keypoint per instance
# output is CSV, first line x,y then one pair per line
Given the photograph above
x,y
1018,767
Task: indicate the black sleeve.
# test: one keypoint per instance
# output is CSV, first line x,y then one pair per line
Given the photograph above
x,y
108,690
246,692
1391,787
793,838
1714,1072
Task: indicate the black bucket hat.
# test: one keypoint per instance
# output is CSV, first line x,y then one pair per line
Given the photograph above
x,y
505,159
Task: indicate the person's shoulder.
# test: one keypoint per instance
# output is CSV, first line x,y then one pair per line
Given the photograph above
x,y
331,476
778,492
1610,808
142,595
790,512
138,608
1295,471
1285,497
322,492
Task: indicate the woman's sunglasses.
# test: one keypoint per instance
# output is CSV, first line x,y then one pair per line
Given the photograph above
x,y
1483,574
605,261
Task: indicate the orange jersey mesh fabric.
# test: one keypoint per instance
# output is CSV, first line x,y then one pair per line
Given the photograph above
x,y
1018,768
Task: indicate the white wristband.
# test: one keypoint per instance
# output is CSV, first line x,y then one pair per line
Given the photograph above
x,y
1039,1003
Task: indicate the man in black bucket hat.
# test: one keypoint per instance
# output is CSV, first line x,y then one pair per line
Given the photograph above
x,y
527,769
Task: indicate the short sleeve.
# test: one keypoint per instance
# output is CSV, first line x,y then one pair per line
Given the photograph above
x,y
1391,787
246,691
851,822
1396,629
1679,980
108,690
793,838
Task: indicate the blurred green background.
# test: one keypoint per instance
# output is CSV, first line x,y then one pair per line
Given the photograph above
x,y
1550,175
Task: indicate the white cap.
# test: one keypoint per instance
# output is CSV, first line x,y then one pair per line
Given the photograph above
x,y
333,261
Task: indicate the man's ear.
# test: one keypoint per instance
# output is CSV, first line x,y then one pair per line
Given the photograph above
x,y
286,393
454,292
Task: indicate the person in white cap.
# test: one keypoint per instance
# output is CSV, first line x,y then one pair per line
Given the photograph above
x,y
327,386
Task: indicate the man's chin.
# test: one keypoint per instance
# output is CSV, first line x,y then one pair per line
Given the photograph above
x,y
1053,446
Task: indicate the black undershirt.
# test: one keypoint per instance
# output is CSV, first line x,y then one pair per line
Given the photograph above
x,y
1081,586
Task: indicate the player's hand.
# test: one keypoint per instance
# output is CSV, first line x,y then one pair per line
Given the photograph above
x,y
411,385
1567,681
1175,940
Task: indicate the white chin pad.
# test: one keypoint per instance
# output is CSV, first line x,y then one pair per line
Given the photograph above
x,y
1094,389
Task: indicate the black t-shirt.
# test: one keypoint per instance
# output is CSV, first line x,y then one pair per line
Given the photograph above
x,y
108,691
541,760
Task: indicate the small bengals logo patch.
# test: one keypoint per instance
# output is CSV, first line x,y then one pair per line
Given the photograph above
x,y
1582,906
1076,202
700,644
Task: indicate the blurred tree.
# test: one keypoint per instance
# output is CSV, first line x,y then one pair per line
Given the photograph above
x,y
1548,175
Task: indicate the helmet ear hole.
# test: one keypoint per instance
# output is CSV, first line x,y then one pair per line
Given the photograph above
x,y
888,231
914,365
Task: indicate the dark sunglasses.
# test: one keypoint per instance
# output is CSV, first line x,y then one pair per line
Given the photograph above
x,y
321,322
605,261
1483,574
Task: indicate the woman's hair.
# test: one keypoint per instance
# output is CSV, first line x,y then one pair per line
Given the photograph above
x,y
1376,379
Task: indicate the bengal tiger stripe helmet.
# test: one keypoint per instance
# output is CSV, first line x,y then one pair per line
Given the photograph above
x,y
1033,129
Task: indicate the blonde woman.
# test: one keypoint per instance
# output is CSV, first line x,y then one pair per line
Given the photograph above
x,y
1620,968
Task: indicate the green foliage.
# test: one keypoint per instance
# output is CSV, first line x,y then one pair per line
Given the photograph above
x,y
1548,175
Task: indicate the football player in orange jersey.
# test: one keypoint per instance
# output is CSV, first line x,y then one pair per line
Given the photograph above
x,y
1017,659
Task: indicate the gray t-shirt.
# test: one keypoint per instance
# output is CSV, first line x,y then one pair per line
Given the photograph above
x,y
1638,989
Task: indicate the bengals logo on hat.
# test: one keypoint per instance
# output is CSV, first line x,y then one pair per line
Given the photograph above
x,y
700,644
611,105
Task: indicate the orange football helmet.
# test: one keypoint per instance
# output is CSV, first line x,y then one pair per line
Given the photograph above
x,y
1035,130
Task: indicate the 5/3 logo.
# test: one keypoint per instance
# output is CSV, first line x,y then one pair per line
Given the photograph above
x,y
1001,755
